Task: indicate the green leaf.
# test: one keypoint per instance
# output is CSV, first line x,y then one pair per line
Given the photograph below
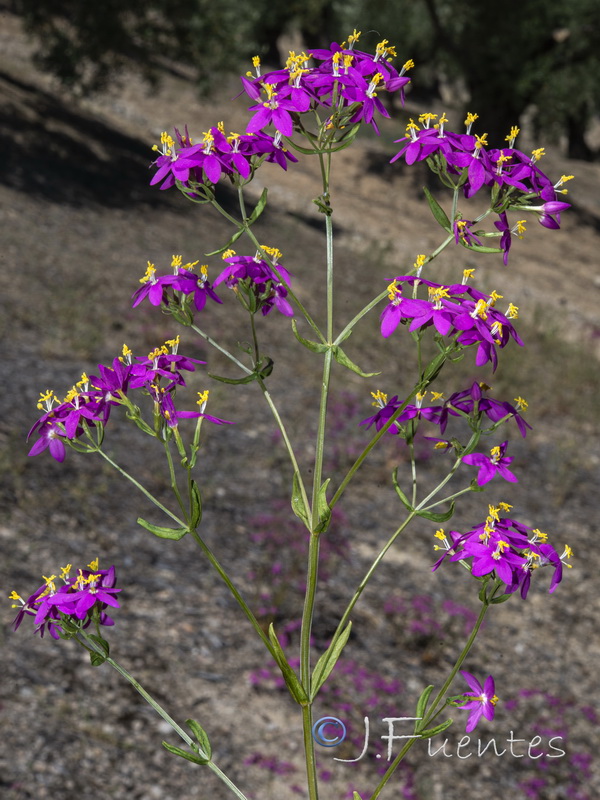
x,y
289,676
422,704
96,658
481,248
343,359
437,211
323,510
248,379
177,751
427,734
501,599
405,501
298,506
315,347
442,516
233,240
328,660
163,533
196,505
201,736
259,208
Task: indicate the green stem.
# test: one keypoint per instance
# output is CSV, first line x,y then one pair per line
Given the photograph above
x,y
180,523
225,352
433,710
234,591
161,712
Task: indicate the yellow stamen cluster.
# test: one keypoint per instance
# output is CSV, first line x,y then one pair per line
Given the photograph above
x,y
407,65
383,50
537,154
46,400
228,254
481,141
202,398
427,118
394,292
125,357
512,312
563,179
167,144
470,120
522,404
353,38
380,398
514,132
419,263
149,274
467,273
273,252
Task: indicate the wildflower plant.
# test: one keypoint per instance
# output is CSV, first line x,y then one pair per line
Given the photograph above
x,y
314,107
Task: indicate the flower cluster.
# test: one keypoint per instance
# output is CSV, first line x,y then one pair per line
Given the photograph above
x,y
467,160
341,79
505,549
457,310
258,283
471,402
235,156
77,600
184,279
90,401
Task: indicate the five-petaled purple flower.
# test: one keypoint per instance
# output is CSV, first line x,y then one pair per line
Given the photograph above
x,y
483,700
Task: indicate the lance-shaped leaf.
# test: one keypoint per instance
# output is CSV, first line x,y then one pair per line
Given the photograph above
x,y
437,211
227,246
328,660
422,705
201,737
405,501
442,516
98,658
195,505
161,532
427,734
193,757
298,505
315,347
323,510
343,359
289,676
481,248
258,208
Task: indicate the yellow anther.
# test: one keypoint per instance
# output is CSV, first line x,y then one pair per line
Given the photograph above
x,y
202,398
504,506
522,404
467,273
14,596
493,297
46,400
470,120
514,132
64,572
439,534
512,312
437,396
173,343
353,38
272,251
126,351
481,141
393,292
228,254
408,65
427,118
495,453
149,274
420,261
256,61
384,51
520,228
539,535
380,398
537,154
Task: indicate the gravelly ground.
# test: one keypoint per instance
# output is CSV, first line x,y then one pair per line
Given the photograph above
x,y
79,224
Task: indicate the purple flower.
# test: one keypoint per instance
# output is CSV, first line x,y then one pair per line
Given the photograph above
x,y
89,593
494,464
483,700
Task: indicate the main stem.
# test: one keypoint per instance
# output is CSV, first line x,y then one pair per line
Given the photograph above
x,y
313,548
